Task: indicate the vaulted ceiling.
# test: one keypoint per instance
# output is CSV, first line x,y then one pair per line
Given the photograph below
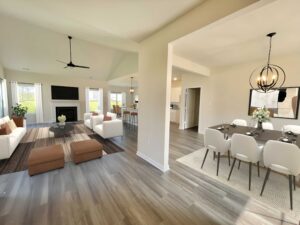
x,y
34,32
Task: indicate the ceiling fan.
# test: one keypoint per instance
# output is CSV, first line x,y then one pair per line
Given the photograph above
x,y
71,64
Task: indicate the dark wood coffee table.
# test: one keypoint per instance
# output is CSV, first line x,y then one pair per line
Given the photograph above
x,y
61,131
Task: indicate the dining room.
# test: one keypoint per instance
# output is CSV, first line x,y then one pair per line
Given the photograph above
x,y
249,104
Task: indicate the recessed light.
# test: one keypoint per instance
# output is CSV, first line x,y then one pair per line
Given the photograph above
x,y
175,78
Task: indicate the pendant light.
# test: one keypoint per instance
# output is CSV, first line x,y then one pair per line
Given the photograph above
x,y
131,90
270,76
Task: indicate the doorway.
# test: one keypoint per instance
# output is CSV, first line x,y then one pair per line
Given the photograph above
x,y
192,107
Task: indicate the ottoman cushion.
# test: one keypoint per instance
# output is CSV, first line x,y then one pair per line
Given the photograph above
x,y
46,158
85,150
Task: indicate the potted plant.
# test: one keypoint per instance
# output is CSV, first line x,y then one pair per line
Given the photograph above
x,y
261,115
62,120
18,114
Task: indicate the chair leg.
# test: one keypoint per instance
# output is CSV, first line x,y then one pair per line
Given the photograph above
x,y
218,164
228,158
291,190
231,169
265,181
258,169
204,157
239,164
250,171
294,181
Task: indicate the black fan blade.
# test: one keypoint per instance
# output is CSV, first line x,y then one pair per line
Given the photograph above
x,y
61,61
85,67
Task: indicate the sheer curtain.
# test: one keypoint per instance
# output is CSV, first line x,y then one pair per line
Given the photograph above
x,y
14,93
5,101
39,103
87,99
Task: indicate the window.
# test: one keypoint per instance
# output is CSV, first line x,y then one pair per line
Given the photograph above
x,y
1,100
26,96
116,99
94,99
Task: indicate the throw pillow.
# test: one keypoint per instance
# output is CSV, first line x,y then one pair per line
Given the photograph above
x,y
107,118
11,125
95,114
5,129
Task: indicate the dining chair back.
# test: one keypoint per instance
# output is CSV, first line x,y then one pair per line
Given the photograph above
x,y
282,158
293,128
240,122
214,140
244,148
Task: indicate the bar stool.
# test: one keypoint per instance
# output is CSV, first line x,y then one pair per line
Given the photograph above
x,y
134,117
126,116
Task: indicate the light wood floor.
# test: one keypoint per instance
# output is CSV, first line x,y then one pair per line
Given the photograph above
x,y
123,189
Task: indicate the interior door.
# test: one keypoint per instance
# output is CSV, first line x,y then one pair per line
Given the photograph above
x,y
192,100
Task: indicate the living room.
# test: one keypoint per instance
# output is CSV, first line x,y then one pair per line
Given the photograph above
x,y
88,92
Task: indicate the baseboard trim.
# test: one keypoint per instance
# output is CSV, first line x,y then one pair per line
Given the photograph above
x,y
163,168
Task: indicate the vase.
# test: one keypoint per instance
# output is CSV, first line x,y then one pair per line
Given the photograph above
x,y
259,125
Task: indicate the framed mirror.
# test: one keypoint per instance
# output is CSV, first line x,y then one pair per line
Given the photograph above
x,y
282,103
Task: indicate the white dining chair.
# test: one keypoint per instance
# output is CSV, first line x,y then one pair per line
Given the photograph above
x,y
282,158
293,128
214,140
266,126
245,148
239,122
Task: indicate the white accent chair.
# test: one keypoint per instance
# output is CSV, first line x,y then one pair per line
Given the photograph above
x,y
292,128
245,148
239,122
87,118
282,158
9,143
214,141
108,129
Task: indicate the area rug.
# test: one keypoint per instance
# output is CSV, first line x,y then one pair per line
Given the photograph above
x,y
39,137
276,193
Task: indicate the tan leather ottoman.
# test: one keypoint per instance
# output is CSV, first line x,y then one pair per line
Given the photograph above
x,y
45,159
82,151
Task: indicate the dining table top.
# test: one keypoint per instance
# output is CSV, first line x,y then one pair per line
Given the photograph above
x,y
261,136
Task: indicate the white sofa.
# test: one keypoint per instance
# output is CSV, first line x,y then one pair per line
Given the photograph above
x,y
108,129
8,143
87,119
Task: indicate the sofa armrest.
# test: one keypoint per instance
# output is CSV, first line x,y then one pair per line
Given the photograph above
x,y
87,116
112,128
96,120
5,146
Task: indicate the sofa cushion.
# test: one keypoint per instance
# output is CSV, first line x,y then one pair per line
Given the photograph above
x,y
12,125
107,118
112,115
4,120
5,129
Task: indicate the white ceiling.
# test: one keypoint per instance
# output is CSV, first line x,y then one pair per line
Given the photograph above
x,y
124,81
117,23
242,39
23,45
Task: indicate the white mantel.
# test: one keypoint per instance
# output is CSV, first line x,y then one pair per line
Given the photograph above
x,y
63,103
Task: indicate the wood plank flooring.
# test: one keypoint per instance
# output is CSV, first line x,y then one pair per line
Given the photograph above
x,y
123,189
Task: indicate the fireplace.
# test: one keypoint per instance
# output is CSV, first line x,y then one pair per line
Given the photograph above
x,y
69,112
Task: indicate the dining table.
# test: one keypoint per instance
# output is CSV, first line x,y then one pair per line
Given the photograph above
x,y
260,135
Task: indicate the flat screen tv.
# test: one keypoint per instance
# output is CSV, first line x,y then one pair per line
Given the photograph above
x,y
64,93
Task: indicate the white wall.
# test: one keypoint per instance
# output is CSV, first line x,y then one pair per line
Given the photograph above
x,y
1,71
48,80
127,66
155,71
231,88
